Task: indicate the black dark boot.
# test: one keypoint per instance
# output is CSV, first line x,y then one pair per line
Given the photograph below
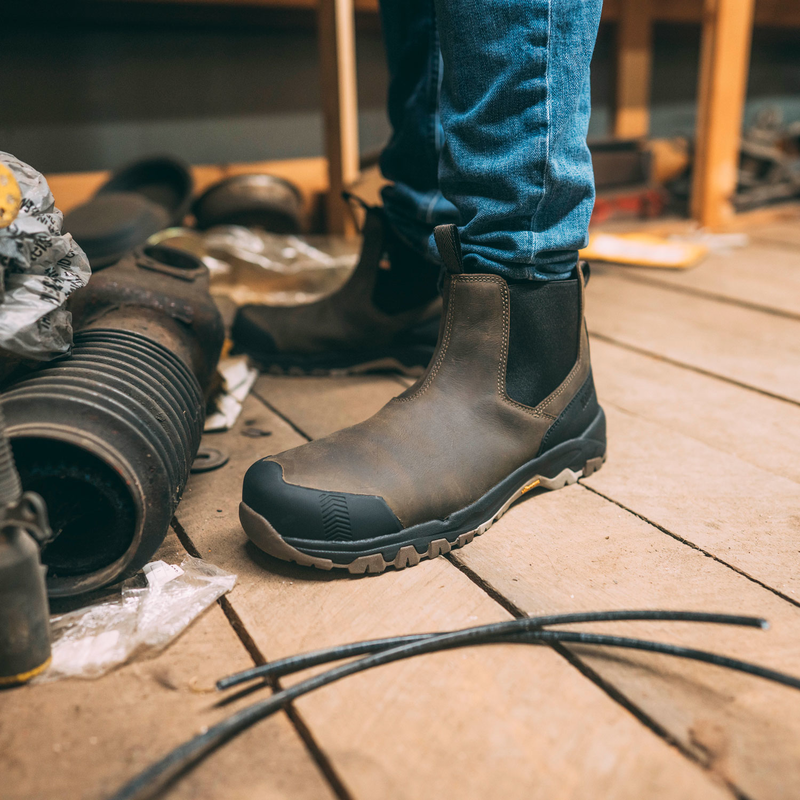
x,y
385,317
507,405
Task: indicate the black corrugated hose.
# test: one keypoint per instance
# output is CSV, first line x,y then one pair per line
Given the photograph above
x,y
384,651
10,486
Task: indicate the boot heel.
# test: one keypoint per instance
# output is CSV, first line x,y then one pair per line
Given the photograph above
x,y
592,465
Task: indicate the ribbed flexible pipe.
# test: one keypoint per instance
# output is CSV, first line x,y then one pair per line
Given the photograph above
x,y
107,437
10,486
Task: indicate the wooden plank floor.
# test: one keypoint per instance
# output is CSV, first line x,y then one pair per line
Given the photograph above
x,y
698,508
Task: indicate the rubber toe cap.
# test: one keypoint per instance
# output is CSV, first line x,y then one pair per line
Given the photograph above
x,y
302,513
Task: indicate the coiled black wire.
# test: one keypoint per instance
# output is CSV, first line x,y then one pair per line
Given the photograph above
x,y
384,651
287,666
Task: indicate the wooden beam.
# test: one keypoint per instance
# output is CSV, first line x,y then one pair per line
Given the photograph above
x,y
634,67
336,34
724,63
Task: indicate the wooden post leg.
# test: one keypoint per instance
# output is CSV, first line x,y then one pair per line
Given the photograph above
x,y
724,66
634,67
336,36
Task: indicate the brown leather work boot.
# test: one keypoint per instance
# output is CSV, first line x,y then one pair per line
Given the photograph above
x,y
386,317
507,405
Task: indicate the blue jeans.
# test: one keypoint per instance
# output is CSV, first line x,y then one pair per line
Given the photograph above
x,y
489,102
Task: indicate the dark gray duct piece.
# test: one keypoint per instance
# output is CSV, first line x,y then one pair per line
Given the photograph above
x,y
10,486
107,436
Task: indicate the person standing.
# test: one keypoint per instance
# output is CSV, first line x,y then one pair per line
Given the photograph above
x,y
492,186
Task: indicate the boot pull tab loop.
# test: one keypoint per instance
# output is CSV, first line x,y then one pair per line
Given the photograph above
x,y
449,246
353,202
584,271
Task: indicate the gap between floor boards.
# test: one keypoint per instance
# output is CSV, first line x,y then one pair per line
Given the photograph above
x,y
573,659
303,731
705,294
605,686
699,370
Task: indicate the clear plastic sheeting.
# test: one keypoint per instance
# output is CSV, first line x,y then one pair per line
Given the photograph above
x,y
39,267
152,610
255,266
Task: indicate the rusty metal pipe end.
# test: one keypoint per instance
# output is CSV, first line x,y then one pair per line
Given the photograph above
x,y
107,438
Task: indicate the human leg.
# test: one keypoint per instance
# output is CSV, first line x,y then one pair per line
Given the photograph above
x,y
413,202
508,402
515,106
386,315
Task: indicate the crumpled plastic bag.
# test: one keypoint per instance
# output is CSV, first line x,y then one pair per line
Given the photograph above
x,y
255,266
152,610
40,267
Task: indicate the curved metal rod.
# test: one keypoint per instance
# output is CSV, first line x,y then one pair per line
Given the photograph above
x,y
287,666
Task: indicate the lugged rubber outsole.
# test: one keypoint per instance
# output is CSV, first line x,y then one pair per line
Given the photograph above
x,y
266,538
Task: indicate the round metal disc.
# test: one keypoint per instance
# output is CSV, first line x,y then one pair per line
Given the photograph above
x,y
208,458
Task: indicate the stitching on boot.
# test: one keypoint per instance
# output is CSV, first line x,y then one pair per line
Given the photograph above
x,y
582,396
451,313
539,411
502,368
583,353
583,349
